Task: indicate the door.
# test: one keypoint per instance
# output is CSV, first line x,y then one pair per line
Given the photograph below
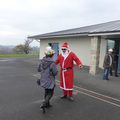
x,y
55,47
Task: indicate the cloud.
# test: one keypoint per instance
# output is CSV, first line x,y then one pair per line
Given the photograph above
x,y
20,18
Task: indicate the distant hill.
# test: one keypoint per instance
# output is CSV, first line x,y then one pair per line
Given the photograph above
x,y
7,46
9,49
6,49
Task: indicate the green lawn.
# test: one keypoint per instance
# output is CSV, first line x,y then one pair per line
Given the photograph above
x,y
16,55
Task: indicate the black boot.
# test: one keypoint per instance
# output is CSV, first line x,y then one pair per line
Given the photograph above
x,y
70,98
63,97
48,105
116,75
43,107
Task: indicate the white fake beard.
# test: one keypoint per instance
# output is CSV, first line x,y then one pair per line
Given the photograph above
x,y
65,54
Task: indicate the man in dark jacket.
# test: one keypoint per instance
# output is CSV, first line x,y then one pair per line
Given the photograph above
x,y
48,71
115,62
108,62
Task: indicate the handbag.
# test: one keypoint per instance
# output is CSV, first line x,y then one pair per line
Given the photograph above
x,y
38,80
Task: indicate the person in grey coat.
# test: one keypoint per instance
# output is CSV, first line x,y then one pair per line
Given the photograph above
x,y
48,71
107,64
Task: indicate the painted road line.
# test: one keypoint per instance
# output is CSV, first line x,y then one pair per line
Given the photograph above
x,y
101,97
6,59
96,95
92,92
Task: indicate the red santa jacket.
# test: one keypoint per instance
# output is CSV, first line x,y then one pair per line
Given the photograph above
x,y
66,70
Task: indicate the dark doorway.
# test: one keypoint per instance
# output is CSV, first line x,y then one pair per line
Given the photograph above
x,y
117,54
115,45
55,47
119,60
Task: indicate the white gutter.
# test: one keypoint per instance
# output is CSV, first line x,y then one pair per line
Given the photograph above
x,y
102,34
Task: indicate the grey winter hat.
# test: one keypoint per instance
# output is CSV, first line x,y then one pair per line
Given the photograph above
x,y
49,51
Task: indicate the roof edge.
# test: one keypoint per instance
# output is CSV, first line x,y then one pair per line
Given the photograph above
x,y
58,36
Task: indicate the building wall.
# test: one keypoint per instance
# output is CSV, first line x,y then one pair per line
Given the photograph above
x,y
103,47
79,45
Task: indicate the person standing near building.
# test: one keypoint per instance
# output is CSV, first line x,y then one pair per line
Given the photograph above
x,y
115,62
66,60
48,71
108,63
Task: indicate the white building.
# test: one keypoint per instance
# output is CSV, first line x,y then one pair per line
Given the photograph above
x,y
90,43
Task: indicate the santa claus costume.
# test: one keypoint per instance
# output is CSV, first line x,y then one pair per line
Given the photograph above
x,y
66,60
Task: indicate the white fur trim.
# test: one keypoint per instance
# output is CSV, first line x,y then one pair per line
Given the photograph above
x,y
64,85
65,88
64,47
63,75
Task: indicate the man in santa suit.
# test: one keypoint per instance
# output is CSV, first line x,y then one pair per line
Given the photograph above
x,y
66,60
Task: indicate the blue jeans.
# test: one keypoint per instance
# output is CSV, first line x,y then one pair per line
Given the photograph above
x,y
106,73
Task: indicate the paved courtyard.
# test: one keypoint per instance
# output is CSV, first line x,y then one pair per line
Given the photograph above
x,y
20,97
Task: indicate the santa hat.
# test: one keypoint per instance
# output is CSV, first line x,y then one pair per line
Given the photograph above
x,y
49,51
65,45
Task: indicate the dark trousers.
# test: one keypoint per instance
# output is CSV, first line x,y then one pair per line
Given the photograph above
x,y
48,95
106,73
111,69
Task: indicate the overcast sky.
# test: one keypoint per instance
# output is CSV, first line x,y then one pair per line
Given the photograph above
x,y
20,18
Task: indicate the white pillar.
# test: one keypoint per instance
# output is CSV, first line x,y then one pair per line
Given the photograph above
x,y
95,53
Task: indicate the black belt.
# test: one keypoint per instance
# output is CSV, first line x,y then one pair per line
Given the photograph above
x,y
67,68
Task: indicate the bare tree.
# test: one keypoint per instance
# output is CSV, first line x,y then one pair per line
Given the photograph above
x,y
19,49
23,48
27,47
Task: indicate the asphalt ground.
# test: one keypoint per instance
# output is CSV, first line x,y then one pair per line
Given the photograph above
x,y
20,97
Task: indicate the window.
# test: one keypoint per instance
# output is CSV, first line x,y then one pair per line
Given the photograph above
x,y
110,44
